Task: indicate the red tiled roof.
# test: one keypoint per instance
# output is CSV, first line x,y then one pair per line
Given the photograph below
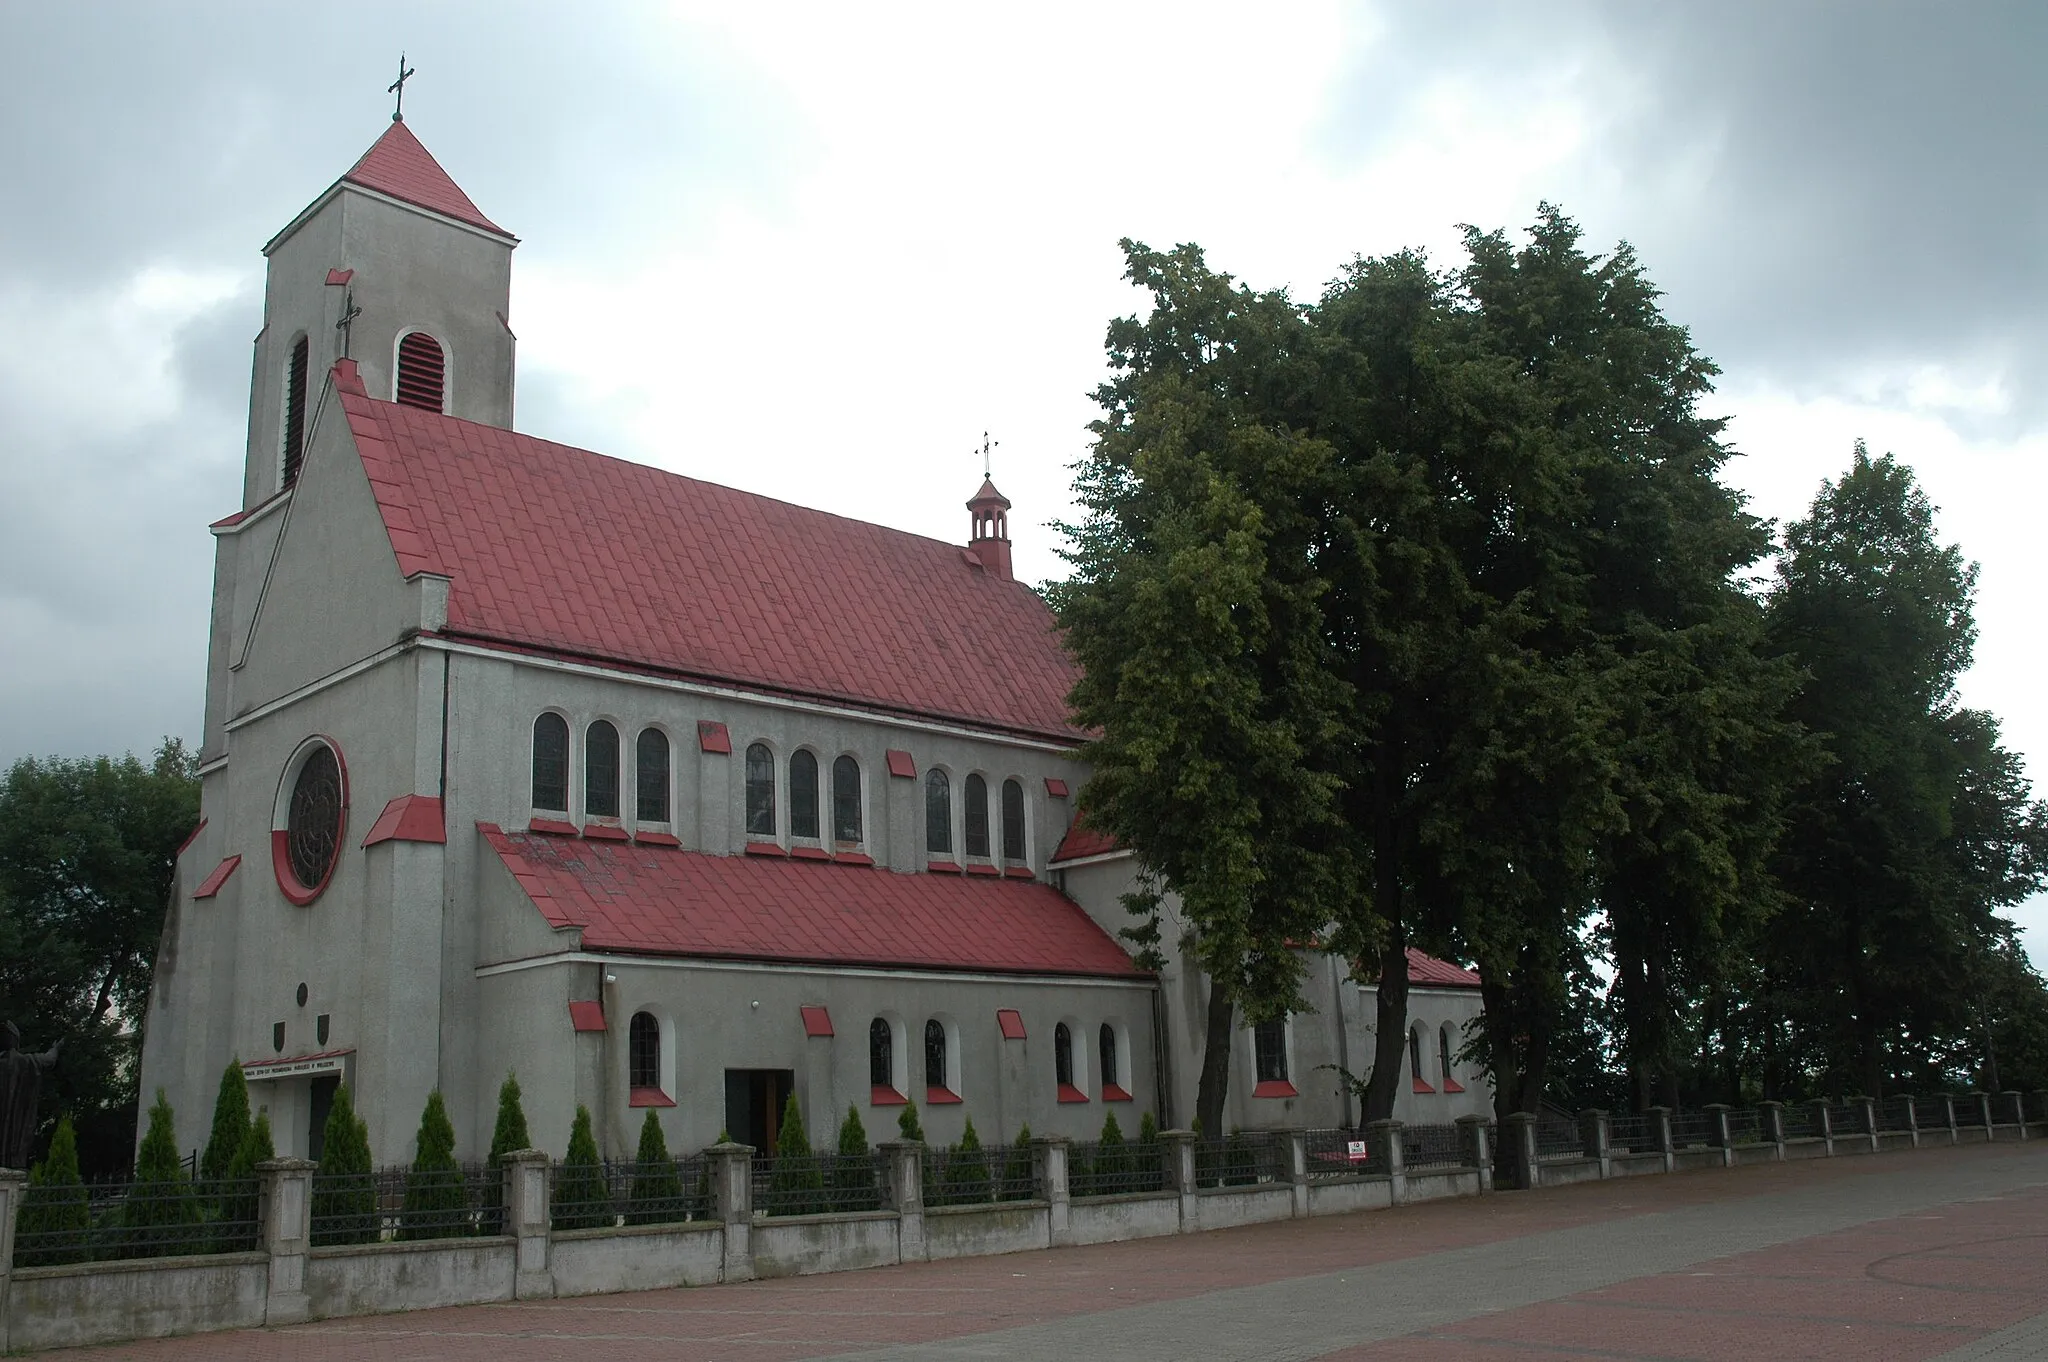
x,y
653,900
408,818
559,550
1427,969
1081,841
396,164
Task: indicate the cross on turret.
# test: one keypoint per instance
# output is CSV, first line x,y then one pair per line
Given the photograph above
x,y
397,87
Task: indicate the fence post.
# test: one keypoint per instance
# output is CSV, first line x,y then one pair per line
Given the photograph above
x,y
1717,1131
1983,1101
732,1195
1383,1142
1294,1144
904,1162
1660,1124
1593,1139
1823,1124
1518,1134
1049,1174
1948,1117
286,1213
528,1221
1772,1114
1180,1172
1869,1105
1476,1148
12,1183
2017,1103
1912,1118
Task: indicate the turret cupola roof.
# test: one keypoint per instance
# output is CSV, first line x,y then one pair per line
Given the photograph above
x,y
397,164
988,496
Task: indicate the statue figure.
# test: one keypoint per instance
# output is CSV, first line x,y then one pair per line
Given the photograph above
x,y
21,1082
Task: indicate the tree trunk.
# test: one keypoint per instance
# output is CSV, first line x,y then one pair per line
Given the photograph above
x,y
1390,1040
1214,1085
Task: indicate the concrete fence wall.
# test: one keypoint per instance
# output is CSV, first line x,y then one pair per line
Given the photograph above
x,y
287,1281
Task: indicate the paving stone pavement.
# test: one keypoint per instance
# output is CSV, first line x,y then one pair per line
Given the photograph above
x,y
1910,1256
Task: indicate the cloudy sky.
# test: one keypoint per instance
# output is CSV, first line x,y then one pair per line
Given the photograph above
x,y
817,251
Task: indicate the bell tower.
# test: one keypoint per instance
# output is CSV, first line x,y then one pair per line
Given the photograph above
x,y
989,539
393,266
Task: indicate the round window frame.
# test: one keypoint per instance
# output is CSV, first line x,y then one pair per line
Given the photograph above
x,y
288,883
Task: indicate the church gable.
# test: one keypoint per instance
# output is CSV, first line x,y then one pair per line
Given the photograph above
x,y
334,591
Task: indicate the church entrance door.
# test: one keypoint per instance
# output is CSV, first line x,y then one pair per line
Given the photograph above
x,y
754,1099
316,1117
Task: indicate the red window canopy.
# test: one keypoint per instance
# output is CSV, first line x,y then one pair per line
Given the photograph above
x,y
586,1015
817,1021
901,765
1011,1021
712,737
650,1097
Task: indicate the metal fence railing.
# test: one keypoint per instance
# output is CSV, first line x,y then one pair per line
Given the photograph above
x,y
1334,1152
1095,1169
818,1184
107,1221
973,1177
618,1192
1241,1160
1424,1147
1557,1138
1798,1121
1745,1126
1692,1129
1895,1113
1846,1118
1631,1133
405,1203
1970,1112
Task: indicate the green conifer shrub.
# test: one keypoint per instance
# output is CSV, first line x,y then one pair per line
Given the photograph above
x,y
581,1199
657,1194
344,1189
967,1170
55,1220
507,1136
907,1123
241,1196
161,1210
1017,1178
795,1184
1112,1157
230,1129
436,1201
1150,1153
853,1173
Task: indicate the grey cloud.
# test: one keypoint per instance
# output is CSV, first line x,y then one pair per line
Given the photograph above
x,y
1874,175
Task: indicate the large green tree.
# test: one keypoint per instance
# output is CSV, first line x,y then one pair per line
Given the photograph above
x,y
1919,827
88,847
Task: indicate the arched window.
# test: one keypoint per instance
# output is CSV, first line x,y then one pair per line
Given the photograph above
x,y
881,1054
551,763
803,795
601,770
1446,1050
295,410
650,774
977,817
1013,821
1269,1050
422,379
936,1074
1106,1053
846,801
1063,1055
760,791
643,1052
938,813
1415,1053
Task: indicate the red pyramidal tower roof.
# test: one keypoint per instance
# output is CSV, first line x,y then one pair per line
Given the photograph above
x,y
398,165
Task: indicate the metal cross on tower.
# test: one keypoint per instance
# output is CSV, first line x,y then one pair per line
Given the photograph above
x,y
397,87
986,445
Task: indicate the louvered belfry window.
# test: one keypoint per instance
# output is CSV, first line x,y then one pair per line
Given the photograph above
x,y
422,372
295,410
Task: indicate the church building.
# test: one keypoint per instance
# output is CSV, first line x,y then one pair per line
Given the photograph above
x,y
519,758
